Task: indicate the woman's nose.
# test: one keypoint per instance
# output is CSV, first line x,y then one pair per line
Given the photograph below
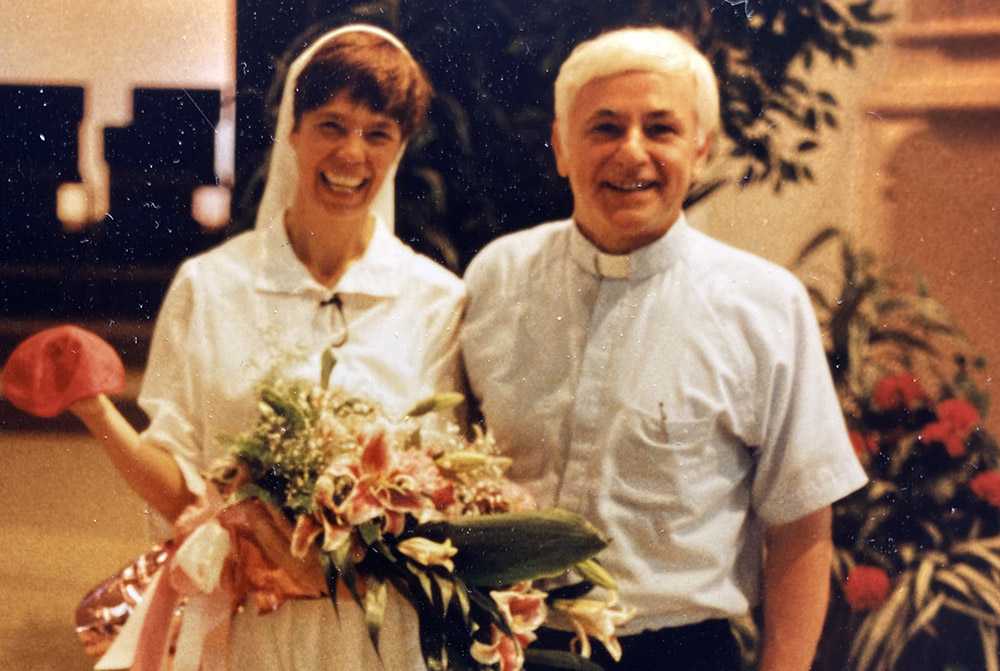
x,y
352,146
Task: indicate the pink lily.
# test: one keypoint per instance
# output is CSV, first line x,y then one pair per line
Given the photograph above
x,y
501,650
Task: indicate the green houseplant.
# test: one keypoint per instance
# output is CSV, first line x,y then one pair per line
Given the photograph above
x,y
917,566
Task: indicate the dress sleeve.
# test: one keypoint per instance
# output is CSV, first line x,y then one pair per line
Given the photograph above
x,y
804,456
171,387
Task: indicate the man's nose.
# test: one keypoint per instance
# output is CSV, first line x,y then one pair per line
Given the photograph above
x,y
633,145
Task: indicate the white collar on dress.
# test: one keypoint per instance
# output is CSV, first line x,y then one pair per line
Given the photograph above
x,y
376,273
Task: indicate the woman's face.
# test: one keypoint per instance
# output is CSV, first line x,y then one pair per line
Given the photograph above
x,y
344,151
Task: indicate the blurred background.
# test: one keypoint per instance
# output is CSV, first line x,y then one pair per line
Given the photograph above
x,y
134,134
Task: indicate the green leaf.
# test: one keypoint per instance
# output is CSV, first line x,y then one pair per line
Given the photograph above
x,y
859,38
496,550
330,574
862,11
293,416
820,239
375,600
252,491
340,559
446,586
789,171
593,572
489,606
441,401
369,532
327,363
558,659
423,579
811,120
462,592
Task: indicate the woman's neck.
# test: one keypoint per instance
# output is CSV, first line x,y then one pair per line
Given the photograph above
x,y
327,247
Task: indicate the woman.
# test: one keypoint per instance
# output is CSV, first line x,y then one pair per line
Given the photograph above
x,y
320,269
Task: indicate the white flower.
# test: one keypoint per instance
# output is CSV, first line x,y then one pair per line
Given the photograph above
x,y
427,552
598,619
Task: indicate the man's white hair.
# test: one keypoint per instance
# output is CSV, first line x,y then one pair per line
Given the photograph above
x,y
644,50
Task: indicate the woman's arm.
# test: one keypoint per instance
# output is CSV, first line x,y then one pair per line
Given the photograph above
x,y
151,472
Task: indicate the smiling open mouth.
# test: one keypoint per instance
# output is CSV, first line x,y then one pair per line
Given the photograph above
x,y
630,187
342,182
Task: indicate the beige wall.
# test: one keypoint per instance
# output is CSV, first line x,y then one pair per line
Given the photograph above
x,y
777,225
68,523
111,46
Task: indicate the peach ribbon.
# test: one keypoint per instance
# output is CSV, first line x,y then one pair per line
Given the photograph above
x,y
223,554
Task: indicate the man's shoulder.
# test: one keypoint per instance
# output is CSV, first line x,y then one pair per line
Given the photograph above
x,y
730,269
519,249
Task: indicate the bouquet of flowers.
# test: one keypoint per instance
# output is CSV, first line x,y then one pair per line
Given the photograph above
x,y
918,548
327,495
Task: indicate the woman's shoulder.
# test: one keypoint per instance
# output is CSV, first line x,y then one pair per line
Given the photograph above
x,y
238,250
229,263
421,273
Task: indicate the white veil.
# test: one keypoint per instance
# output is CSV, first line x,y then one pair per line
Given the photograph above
x,y
282,173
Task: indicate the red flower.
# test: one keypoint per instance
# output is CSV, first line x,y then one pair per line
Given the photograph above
x,y
987,487
956,420
864,444
866,587
897,391
961,415
939,432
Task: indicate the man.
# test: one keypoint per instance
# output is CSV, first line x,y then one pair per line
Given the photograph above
x,y
669,388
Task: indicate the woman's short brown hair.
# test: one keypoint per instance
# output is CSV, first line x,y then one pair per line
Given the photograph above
x,y
373,71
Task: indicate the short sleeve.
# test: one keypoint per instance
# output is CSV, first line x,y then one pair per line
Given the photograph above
x,y
804,456
170,389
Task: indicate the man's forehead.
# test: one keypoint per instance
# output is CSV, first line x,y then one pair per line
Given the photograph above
x,y
612,94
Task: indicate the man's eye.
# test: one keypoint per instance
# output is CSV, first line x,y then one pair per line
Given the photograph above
x,y
606,130
660,130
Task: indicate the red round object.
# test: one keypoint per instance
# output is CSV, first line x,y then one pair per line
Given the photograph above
x,y
59,366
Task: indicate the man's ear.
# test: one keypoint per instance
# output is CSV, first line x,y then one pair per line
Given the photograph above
x,y
701,157
557,149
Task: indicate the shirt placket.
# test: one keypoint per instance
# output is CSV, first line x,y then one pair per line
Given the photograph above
x,y
584,454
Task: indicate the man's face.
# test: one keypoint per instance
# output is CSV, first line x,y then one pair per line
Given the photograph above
x,y
630,154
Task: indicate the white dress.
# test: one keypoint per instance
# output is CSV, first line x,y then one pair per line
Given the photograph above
x,y
249,310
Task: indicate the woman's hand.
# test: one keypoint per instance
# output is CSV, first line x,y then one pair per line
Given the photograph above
x,y
89,409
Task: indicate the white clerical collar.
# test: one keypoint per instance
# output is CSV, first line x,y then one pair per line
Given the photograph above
x,y
612,266
655,257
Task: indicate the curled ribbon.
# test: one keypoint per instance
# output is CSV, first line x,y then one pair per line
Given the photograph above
x,y
222,555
